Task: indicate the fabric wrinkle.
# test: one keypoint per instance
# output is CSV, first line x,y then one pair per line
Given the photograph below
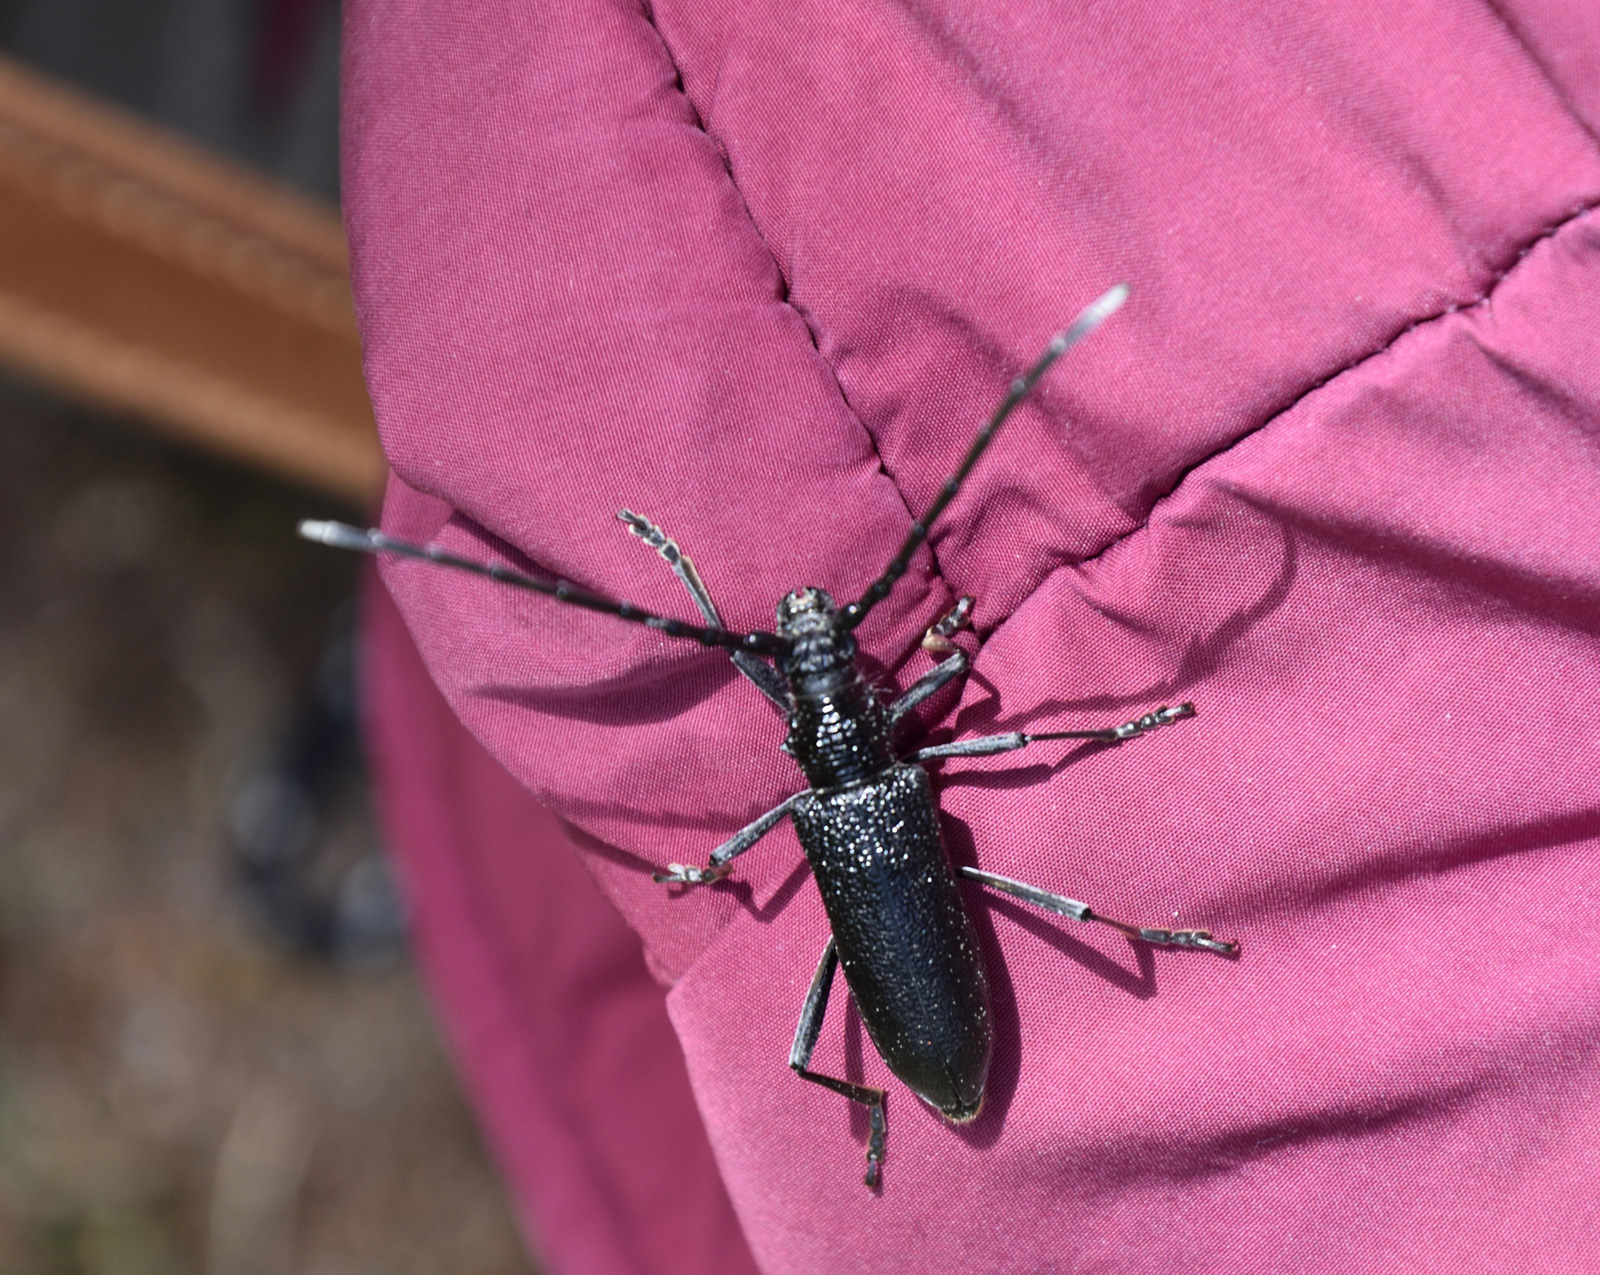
x,y
1374,575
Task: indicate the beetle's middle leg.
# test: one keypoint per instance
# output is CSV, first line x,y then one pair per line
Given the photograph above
x,y
766,678
717,868
985,745
805,1040
1063,906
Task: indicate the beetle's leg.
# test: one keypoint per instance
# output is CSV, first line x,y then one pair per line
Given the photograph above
x,y
717,868
927,684
936,641
805,1040
1063,906
987,744
766,678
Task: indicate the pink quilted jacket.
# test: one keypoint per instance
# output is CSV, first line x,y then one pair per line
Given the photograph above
x,y
757,270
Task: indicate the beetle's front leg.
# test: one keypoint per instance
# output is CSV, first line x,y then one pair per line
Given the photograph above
x,y
936,641
717,868
767,679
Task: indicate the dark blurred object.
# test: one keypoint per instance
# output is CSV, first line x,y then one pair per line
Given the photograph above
x,y
176,1096
290,31
319,890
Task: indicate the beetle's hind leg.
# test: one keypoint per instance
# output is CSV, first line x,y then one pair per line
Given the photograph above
x,y
805,1040
1063,906
766,678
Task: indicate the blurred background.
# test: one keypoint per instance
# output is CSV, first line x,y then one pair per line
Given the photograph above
x,y
214,1056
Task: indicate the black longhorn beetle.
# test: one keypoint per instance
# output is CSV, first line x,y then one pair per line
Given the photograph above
x,y
868,822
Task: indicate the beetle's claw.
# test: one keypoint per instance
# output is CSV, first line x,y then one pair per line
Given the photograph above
x,y
875,1132
936,641
1190,938
687,874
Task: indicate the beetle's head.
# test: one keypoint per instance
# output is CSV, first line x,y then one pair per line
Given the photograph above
x,y
821,652
806,613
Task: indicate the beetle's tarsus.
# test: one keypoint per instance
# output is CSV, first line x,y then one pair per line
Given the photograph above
x,y
936,641
1182,938
687,874
1170,938
875,1121
1163,716
1153,720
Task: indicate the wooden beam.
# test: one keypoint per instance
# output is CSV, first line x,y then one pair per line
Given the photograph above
x,y
149,276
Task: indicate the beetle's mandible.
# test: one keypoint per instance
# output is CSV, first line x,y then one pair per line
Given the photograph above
x,y
867,822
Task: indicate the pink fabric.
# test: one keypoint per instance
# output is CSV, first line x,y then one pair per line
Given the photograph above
x,y
755,271
561,1033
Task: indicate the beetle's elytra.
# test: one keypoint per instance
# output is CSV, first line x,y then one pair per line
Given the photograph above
x,y
867,819
924,997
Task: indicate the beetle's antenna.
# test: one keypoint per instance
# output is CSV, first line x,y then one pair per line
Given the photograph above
x,y
1085,323
342,536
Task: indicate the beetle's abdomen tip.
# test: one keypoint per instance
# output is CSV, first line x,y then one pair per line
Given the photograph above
x,y
964,1113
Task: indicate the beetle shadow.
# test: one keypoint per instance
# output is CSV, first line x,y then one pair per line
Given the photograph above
x,y
742,890
1005,1069
590,844
779,899
1201,657
637,696
705,819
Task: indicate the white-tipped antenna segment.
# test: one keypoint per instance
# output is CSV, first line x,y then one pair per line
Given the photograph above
x,y
338,535
1096,313
343,536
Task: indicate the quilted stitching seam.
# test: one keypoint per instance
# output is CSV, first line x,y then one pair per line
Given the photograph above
x,y
649,15
1484,296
